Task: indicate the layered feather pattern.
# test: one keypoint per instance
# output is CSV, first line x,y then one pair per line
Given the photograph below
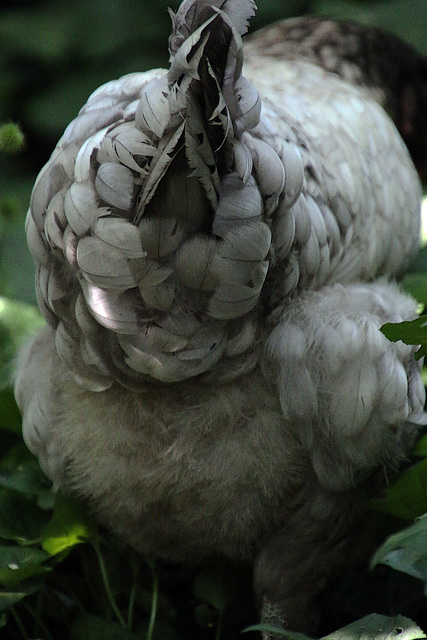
x,y
170,197
156,205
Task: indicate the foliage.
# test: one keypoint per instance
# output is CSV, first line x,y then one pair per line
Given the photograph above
x,y
60,577
406,551
374,626
407,497
411,332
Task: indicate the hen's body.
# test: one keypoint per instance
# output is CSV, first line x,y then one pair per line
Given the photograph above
x,y
282,398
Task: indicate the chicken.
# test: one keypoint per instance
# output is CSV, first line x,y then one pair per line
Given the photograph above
x,y
215,257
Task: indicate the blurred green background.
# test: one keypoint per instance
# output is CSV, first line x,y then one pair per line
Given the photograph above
x,y
54,54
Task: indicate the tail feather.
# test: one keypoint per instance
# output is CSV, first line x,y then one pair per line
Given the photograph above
x,y
195,189
193,13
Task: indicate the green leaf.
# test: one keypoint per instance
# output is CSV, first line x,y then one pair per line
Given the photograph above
x,y
406,551
407,497
95,628
416,285
20,471
10,597
70,525
372,626
20,563
378,627
410,332
20,519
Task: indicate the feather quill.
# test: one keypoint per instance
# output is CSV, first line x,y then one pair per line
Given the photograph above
x,y
192,13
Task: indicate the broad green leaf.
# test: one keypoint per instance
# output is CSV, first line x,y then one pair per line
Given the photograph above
x,y
406,551
20,471
407,497
89,626
18,456
378,627
21,520
20,563
372,626
10,597
410,332
416,285
70,525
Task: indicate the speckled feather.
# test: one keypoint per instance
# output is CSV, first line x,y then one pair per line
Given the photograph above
x,y
214,245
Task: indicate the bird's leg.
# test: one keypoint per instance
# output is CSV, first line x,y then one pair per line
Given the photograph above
x,y
355,401
296,563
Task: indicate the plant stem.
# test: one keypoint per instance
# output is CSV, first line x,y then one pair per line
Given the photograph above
x,y
132,596
107,586
36,614
219,627
19,623
155,571
101,604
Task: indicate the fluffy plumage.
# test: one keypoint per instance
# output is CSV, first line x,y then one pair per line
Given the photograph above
x,y
212,378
